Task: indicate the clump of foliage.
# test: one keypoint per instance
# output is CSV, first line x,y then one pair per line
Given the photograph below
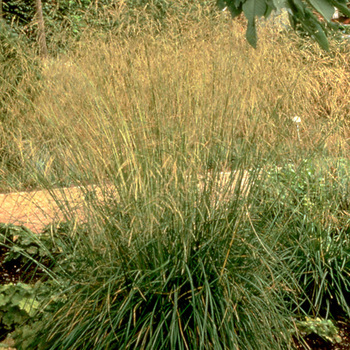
x,y
28,267
323,328
68,19
76,16
24,310
25,256
303,14
316,186
18,304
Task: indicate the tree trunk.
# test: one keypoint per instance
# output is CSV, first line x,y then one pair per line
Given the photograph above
x,y
41,28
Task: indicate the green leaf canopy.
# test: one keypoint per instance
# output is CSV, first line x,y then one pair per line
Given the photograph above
x,y
303,13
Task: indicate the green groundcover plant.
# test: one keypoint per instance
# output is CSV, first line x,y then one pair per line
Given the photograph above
x,y
17,305
324,328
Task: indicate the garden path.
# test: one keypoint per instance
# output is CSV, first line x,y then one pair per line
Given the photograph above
x,y
39,208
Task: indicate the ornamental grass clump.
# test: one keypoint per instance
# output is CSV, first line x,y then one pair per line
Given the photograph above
x,y
173,271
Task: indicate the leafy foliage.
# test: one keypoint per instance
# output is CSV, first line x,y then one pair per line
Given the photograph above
x,y
314,187
20,248
76,16
18,304
20,12
25,307
24,310
302,14
323,328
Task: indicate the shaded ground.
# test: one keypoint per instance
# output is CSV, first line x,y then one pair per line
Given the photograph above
x,y
16,270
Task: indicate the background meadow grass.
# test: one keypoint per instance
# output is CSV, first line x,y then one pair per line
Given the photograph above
x,y
197,85
159,109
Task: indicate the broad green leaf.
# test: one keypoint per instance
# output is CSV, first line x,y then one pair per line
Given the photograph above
x,y
6,287
324,7
14,316
16,298
17,249
251,33
312,26
29,305
4,299
235,11
24,286
32,250
321,38
252,8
